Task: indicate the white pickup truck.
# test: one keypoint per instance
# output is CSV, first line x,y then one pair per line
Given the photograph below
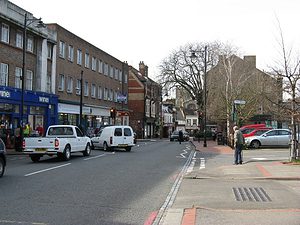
x,y
60,140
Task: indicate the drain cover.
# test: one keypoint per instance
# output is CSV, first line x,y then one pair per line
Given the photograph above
x,y
252,194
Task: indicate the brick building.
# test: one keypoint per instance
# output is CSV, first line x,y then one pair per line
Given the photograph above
x,y
104,81
144,103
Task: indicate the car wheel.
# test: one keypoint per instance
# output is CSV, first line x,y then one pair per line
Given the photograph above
x,y
35,158
2,167
255,144
87,150
105,147
128,149
67,153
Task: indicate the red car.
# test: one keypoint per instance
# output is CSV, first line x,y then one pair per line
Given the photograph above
x,y
255,131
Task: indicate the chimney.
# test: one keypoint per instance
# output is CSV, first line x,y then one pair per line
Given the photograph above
x,y
251,60
143,69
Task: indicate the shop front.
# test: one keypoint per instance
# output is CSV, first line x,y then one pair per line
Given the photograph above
x,y
40,110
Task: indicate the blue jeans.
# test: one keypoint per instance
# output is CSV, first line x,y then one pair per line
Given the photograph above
x,y
238,154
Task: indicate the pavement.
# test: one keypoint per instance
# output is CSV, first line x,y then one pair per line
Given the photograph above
x,y
261,191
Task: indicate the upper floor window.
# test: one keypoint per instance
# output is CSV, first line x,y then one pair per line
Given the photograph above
x,y
49,51
79,57
111,73
125,78
87,60
4,74
71,53
61,82
30,44
116,72
29,80
78,86
100,92
94,63
120,75
105,97
18,75
100,68
70,85
86,88
62,49
48,90
5,33
105,69
19,40
93,91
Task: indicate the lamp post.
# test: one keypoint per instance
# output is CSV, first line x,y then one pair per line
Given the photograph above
x,y
81,94
27,22
205,92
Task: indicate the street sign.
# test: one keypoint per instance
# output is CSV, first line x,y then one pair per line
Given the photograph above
x,y
240,102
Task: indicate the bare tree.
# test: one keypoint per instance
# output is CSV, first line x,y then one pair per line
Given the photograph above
x,y
288,68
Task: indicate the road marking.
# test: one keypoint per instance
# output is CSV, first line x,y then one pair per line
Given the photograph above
x,y
259,158
151,218
41,171
202,163
21,222
94,157
182,155
263,170
191,167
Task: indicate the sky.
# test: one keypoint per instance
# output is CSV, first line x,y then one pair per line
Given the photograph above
x,y
149,30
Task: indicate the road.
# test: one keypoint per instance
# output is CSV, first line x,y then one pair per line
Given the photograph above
x,y
114,188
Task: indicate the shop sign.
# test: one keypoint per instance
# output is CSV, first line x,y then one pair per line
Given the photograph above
x,y
5,94
43,99
121,98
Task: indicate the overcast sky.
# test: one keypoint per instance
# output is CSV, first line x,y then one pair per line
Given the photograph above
x,y
148,30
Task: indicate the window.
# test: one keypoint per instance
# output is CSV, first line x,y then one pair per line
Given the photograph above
x,y
70,85
194,122
87,60
111,95
19,40
29,79
120,75
30,44
94,63
78,86
48,83
4,74
5,33
18,75
62,49
105,69
93,91
125,78
79,57
111,73
105,93
86,88
127,132
100,69
49,51
71,53
100,92
188,122
115,96
118,132
61,82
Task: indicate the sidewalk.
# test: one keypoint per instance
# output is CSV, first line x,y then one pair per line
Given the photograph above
x,y
257,192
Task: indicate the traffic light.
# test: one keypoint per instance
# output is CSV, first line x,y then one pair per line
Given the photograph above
x,y
112,112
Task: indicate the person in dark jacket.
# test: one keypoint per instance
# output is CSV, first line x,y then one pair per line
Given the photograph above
x,y
180,136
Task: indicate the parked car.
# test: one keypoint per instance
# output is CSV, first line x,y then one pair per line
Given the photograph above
x,y
60,140
111,137
175,136
251,127
275,137
256,132
2,158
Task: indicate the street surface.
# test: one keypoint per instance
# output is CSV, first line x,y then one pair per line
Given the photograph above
x,y
113,188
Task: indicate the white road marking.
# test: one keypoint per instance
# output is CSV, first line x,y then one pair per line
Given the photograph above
x,y
191,167
182,155
94,157
41,171
259,158
202,163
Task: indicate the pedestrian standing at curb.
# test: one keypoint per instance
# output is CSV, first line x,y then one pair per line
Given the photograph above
x,y
238,145
180,136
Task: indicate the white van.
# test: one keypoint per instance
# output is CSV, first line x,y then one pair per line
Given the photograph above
x,y
111,137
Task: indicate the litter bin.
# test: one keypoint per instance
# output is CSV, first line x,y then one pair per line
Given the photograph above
x,y
220,139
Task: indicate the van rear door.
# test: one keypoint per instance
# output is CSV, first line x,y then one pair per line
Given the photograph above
x,y
118,139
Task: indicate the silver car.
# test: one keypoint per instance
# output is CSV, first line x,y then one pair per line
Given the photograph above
x,y
275,137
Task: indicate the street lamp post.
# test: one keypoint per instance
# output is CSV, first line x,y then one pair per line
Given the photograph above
x,y
27,22
81,94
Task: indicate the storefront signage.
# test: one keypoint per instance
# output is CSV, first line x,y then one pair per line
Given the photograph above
x,y
5,94
122,98
43,99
